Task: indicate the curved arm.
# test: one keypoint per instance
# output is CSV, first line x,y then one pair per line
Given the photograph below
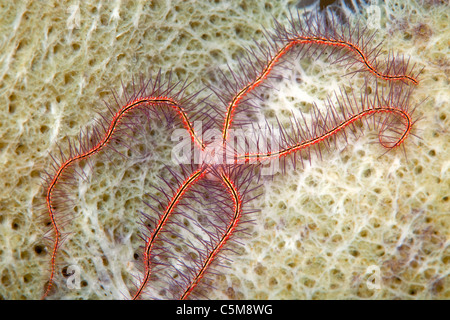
x,y
334,131
162,221
237,212
144,101
282,51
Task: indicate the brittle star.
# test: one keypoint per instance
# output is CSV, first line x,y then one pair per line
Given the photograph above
x,y
225,168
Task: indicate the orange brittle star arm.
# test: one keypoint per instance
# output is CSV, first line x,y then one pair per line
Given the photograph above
x,y
281,52
139,102
334,131
237,212
162,221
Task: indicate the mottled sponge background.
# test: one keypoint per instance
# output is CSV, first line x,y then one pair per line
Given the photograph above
x,y
354,224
